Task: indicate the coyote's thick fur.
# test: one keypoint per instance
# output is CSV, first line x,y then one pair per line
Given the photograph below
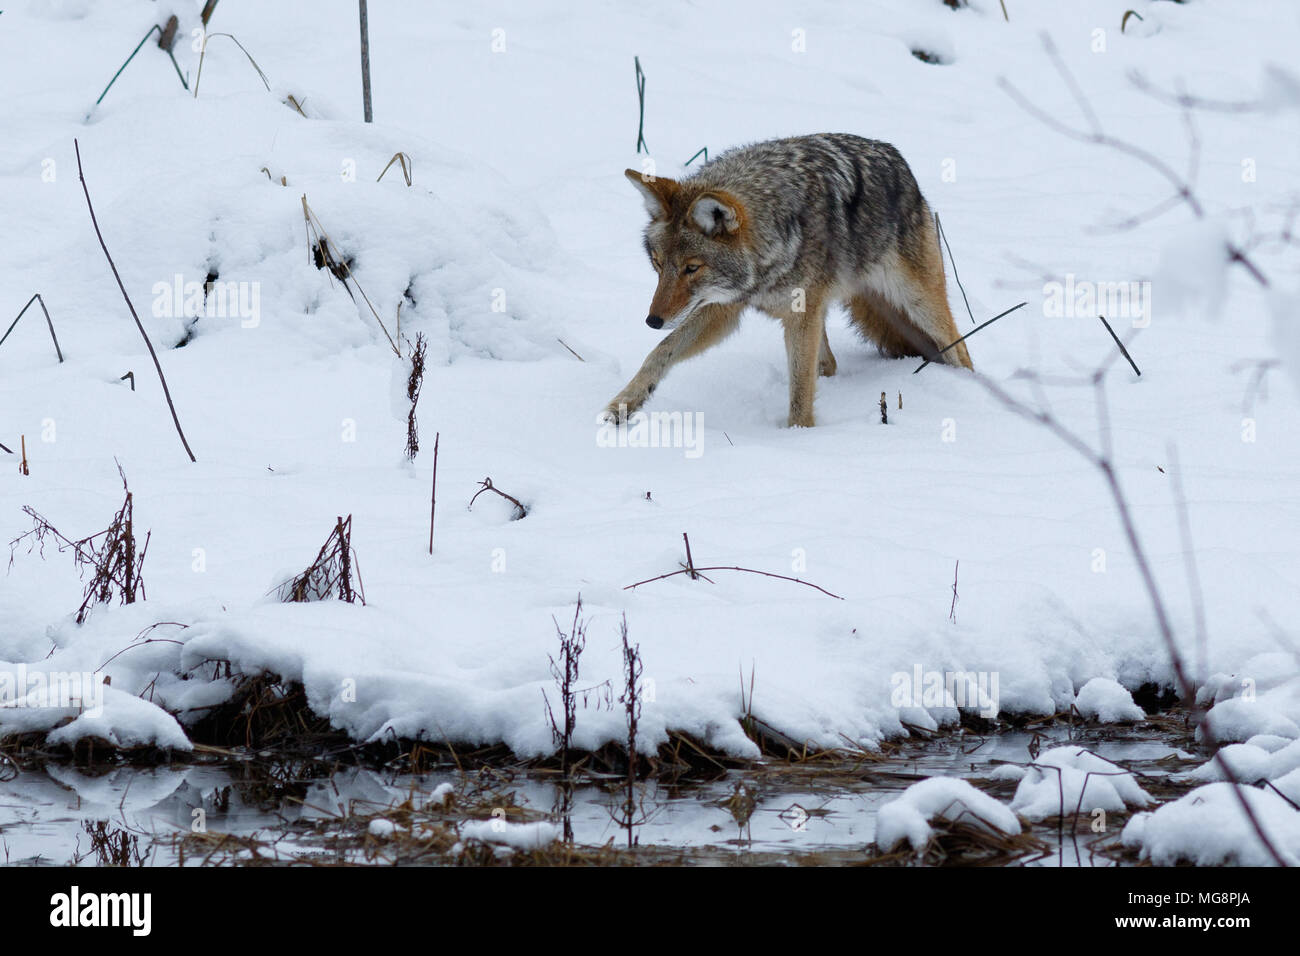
x,y
790,227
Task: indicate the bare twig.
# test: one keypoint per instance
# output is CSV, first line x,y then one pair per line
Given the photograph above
x,y
486,485
766,574
139,642
571,352
1096,135
952,611
48,321
565,674
1189,563
1258,380
365,65
1120,344
967,335
943,237
1187,101
1102,460
690,564
629,818
433,495
138,324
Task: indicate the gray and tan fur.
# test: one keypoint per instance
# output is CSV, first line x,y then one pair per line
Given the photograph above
x,y
790,227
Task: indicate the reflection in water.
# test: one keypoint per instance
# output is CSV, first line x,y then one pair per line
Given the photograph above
x,y
286,811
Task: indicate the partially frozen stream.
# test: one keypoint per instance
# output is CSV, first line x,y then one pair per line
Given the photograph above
x,y
801,813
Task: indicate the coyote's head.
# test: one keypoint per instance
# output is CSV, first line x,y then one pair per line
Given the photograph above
x,y
697,242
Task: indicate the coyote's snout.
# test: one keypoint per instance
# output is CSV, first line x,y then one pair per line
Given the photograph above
x,y
790,227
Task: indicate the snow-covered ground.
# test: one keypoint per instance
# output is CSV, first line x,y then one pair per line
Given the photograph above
x,y
520,231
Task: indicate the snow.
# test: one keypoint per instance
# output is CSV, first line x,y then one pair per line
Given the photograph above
x,y
1066,780
1107,701
1239,719
520,231
1207,828
939,798
1249,763
1289,786
1192,272
1268,742
519,836
1008,771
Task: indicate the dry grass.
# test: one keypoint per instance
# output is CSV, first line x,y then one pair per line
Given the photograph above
x,y
113,555
330,575
965,842
324,255
265,712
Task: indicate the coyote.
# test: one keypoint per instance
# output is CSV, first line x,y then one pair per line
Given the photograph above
x,y
790,227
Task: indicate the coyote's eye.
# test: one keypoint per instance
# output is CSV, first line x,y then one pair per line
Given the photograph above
x,y
692,268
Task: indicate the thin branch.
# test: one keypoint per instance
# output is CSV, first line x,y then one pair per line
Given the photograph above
x,y
48,321
766,574
1104,464
1120,344
486,485
690,563
365,66
1189,563
952,611
571,352
943,237
967,335
1182,187
138,324
433,494
1187,101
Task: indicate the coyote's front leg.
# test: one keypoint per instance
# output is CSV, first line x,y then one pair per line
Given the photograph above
x,y
807,351
702,329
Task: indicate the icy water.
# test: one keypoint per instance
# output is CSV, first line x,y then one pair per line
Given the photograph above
x,y
289,813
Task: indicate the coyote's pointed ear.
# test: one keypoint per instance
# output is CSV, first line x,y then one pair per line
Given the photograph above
x,y
655,190
717,214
